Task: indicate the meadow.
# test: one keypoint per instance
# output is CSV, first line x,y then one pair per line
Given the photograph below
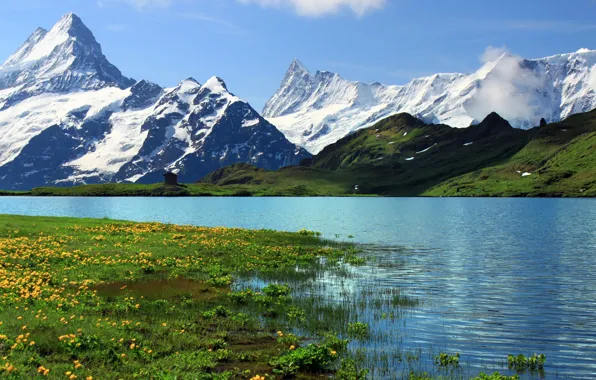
x,y
103,299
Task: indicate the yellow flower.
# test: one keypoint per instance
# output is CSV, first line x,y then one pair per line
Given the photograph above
x,y
292,348
333,353
164,324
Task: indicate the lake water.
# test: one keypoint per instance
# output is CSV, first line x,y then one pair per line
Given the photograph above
x,y
496,276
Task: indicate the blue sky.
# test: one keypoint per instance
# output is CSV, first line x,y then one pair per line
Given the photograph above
x,y
250,43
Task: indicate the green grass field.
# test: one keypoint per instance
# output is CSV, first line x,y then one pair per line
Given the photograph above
x,y
107,300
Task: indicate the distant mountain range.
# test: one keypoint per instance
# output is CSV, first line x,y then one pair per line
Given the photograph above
x,y
315,110
68,116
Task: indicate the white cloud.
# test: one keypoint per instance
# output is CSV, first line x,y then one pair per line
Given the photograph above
x,y
492,53
314,8
593,77
507,88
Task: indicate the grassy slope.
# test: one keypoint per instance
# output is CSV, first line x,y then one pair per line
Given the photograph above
x,y
113,299
561,158
291,181
403,156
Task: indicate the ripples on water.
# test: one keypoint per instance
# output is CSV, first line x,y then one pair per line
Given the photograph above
x,y
495,276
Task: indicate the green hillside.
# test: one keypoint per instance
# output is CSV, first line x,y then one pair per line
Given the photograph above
x,y
561,158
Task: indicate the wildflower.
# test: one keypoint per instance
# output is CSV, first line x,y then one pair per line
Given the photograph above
x,y
292,348
333,353
280,334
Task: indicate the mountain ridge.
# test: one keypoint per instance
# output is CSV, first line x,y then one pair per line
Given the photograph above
x,y
315,110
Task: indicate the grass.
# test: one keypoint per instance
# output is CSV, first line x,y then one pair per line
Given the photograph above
x,y
102,299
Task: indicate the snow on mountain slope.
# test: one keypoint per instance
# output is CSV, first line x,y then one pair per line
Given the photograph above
x,y
68,116
21,122
315,110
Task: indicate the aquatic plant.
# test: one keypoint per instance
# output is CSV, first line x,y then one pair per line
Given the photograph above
x,y
495,376
350,371
445,360
521,363
358,330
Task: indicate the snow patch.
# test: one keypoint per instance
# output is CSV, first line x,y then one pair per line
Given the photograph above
x,y
593,78
468,144
427,149
526,174
250,123
410,159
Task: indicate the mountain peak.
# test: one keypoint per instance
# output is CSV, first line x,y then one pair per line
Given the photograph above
x,y
494,120
297,66
65,58
216,84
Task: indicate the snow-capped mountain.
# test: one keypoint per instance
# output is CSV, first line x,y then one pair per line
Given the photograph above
x,y
316,110
68,116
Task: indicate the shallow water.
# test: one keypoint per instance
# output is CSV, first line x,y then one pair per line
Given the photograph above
x,y
495,276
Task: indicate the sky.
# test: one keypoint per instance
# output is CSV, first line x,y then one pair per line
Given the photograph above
x,y
251,43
